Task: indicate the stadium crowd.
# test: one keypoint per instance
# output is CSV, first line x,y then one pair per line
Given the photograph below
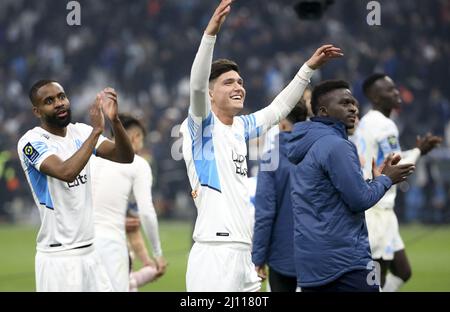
x,y
145,48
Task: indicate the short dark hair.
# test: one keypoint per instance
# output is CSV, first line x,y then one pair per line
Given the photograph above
x,y
298,113
35,88
129,121
324,88
222,66
370,81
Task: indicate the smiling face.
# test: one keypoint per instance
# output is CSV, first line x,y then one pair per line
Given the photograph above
x,y
341,105
52,106
227,93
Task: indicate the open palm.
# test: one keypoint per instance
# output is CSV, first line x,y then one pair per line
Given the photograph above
x,y
109,103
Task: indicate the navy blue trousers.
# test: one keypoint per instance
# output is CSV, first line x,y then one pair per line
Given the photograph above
x,y
353,281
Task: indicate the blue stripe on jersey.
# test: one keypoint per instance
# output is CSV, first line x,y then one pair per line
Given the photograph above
x,y
253,120
192,127
39,147
246,120
78,143
204,157
380,156
208,186
191,130
250,129
387,146
40,187
253,200
255,133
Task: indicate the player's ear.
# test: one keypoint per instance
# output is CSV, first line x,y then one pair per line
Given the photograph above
x,y
211,88
374,97
285,125
323,112
134,137
36,111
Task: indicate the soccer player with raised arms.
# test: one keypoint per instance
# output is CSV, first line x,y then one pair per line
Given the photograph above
x,y
214,149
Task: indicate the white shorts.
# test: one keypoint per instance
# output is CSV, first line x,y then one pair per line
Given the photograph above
x,y
74,270
224,267
115,259
384,235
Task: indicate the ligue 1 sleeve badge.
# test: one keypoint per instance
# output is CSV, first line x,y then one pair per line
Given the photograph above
x,y
30,152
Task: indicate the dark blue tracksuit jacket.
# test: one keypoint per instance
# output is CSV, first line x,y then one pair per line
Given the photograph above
x,y
273,239
329,197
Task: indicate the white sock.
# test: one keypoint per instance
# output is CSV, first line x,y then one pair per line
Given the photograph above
x,y
393,283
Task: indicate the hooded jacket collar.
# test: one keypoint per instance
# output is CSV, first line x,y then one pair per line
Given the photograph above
x,y
305,134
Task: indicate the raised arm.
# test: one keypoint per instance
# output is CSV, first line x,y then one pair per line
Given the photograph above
x,y
120,150
200,104
69,169
423,146
282,105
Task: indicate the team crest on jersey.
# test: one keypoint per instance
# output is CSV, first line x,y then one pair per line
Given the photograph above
x,y
30,152
393,142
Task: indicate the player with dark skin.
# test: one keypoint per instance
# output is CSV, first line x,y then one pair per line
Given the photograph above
x,y
332,179
385,97
52,107
341,105
65,151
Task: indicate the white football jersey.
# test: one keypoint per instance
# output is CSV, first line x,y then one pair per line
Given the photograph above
x,y
215,153
112,185
65,208
376,137
217,169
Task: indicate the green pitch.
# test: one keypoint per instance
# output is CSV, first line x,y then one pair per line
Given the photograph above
x,y
427,248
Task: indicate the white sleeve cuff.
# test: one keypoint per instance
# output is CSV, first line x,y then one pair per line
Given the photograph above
x,y
157,253
42,158
305,73
410,156
208,38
